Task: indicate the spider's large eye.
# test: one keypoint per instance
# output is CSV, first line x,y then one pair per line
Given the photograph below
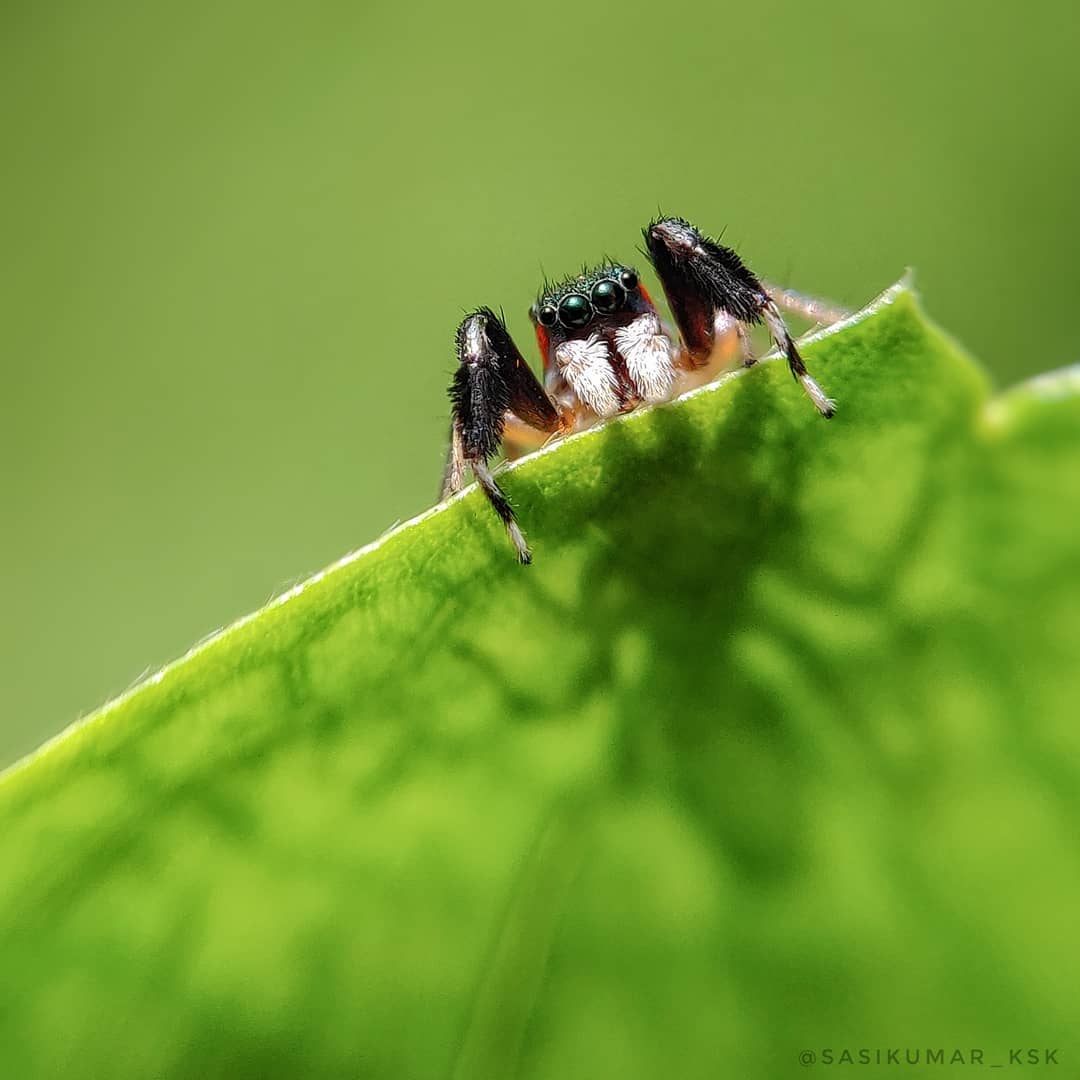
x,y
629,280
608,296
547,315
575,311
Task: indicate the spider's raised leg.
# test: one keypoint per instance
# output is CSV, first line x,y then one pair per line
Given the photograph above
x,y
492,382
812,308
704,280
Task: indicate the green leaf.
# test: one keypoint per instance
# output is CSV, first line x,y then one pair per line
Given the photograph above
x,y
774,748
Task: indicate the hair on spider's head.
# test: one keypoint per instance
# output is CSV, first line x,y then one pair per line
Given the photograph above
x,y
576,301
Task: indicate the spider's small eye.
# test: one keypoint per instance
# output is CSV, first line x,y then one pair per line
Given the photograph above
x,y
629,280
608,296
547,315
575,311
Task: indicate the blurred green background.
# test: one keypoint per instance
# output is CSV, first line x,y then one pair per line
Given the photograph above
x,y
237,239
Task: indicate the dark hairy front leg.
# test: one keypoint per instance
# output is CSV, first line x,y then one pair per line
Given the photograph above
x,y
492,381
701,279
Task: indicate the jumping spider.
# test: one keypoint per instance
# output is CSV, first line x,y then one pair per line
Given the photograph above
x,y
606,351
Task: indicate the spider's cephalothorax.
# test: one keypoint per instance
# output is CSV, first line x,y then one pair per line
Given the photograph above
x,y
602,344
606,351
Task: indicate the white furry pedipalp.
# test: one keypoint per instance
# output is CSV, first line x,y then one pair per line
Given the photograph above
x,y
586,367
647,351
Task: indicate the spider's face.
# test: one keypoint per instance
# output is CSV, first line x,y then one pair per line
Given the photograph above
x,y
596,302
602,343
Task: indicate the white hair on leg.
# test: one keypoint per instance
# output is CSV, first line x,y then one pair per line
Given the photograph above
x,y
586,366
475,344
779,331
822,402
649,356
454,473
503,508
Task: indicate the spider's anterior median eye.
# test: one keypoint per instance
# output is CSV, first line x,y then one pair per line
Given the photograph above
x,y
629,280
547,315
608,296
575,310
